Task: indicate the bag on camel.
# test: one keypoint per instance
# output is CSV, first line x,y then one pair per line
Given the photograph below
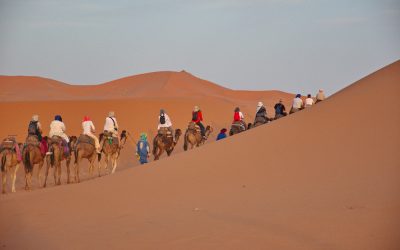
x,y
162,119
32,128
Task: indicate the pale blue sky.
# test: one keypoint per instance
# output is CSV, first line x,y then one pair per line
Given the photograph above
x,y
291,45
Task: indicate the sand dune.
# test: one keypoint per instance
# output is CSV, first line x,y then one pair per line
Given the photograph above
x,y
166,84
323,178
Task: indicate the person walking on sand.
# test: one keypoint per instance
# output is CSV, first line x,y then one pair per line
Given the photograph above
x,y
309,101
222,134
297,104
89,129
143,149
197,117
320,96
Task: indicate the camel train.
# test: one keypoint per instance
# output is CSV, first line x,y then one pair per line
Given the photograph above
x,y
34,151
55,150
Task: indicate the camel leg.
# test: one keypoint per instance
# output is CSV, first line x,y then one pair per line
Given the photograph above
x,y
14,177
91,166
156,155
26,179
106,160
68,161
77,171
47,172
29,180
99,168
4,179
39,176
160,152
114,162
55,174
59,173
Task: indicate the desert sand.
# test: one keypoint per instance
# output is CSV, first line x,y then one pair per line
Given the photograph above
x,y
323,178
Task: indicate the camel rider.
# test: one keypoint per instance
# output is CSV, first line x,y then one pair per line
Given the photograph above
x,y
280,109
320,96
165,122
239,117
143,149
197,118
89,129
309,101
35,128
57,128
261,113
297,104
111,124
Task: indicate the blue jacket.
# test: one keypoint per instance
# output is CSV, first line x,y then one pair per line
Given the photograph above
x,y
221,136
142,151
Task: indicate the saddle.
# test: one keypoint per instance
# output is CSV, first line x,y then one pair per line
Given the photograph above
x,y
194,127
8,143
32,140
260,119
61,143
57,139
240,125
108,136
165,132
85,139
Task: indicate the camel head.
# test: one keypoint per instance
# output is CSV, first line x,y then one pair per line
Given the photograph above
x,y
72,141
178,133
209,130
123,137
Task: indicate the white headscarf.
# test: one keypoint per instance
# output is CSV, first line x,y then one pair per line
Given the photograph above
x,y
259,105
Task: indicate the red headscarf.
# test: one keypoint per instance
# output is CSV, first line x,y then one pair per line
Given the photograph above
x,y
86,118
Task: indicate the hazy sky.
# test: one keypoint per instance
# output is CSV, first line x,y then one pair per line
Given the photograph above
x,y
291,45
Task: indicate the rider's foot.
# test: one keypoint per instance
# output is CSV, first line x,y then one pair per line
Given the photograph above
x,y
49,153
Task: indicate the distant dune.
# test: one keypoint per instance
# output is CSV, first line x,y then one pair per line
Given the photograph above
x,y
323,178
166,84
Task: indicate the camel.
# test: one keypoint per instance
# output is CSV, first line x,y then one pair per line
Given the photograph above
x,y
111,149
84,148
57,156
164,141
238,127
261,120
9,160
31,156
193,136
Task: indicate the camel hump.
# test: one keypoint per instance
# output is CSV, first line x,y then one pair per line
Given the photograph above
x,y
108,134
165,132
32,140
194,127
85,139
56,139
